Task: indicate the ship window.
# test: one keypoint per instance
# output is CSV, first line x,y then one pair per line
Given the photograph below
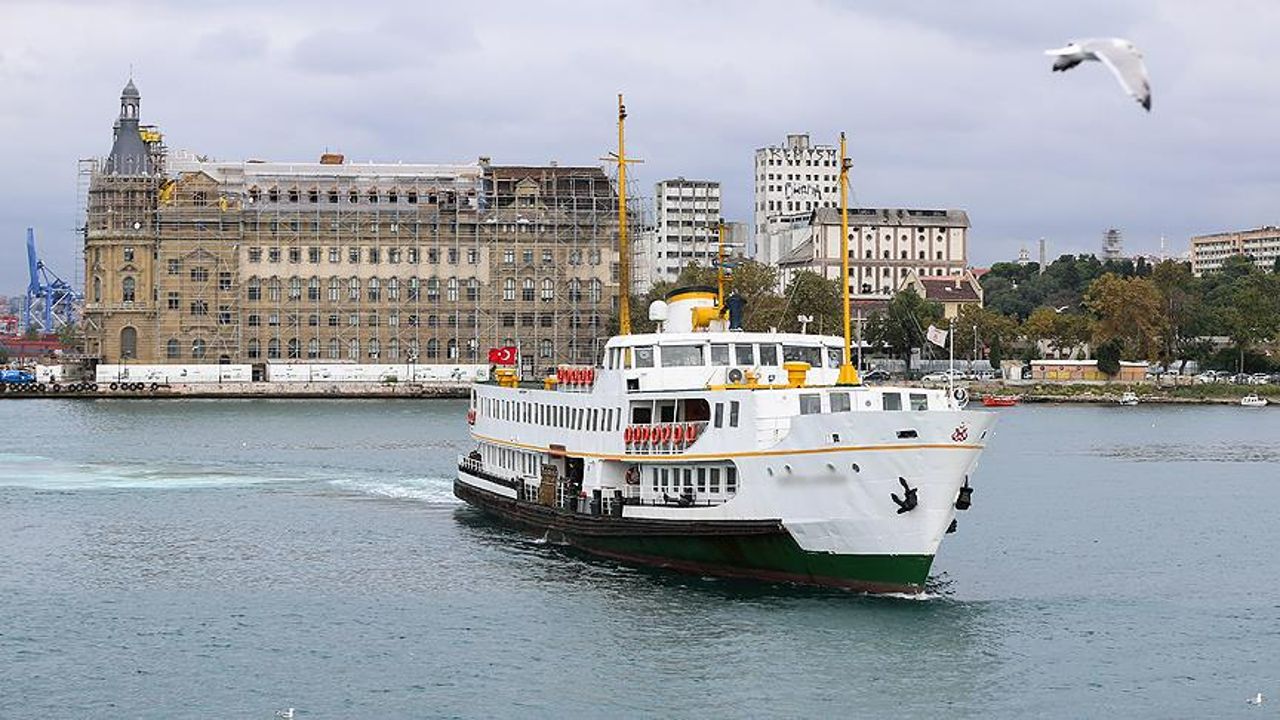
x,y
802,353
666,480
892,401
810,404
743,355
835,357
919,401
666,412
719,415
768,354
641,414
653,474
688,480
839,402
733,414
715,478
702,479
682,356
731,480
720,355
643,356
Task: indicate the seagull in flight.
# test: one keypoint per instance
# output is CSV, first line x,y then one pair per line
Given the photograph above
x,y
1121,57
1255,700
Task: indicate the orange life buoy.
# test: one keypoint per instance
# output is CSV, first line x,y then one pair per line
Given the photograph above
x,y
629,435
645,434
677,434
692,432
591,376
664,432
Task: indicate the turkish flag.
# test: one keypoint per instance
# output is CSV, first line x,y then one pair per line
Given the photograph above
x,y
503,355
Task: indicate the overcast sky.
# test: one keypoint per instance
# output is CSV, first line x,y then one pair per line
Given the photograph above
x,y
946,104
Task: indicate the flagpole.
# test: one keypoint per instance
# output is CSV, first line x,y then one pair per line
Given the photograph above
x,y
951,362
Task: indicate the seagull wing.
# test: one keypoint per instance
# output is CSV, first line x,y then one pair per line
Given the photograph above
x,y
1125,62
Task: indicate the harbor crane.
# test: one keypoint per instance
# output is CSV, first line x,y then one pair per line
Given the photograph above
x,y
51,302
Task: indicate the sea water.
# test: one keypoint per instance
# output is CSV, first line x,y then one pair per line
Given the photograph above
x,y
228,559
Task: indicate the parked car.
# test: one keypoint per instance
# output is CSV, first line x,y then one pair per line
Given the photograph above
x,y
987,375
876,375
943,376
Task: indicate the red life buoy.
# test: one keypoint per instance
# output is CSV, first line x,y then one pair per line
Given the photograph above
x,y
677,434
666,434
471,416
644,434
591,376
577,376
627,435
692,432
560,375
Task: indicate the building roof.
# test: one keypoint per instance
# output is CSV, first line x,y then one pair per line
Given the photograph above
x,y
801,254
894,217
949,288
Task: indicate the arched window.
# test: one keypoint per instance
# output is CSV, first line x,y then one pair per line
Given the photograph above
x,y
273,289
548,289
414,287
273,349
128,286
374,348
294,353
596,289
128,342
473,289
335,348
545,348
509,289
171,349
413,349
375,290
254,288
313,289
353,349
255,349
575,290
353,289
295,288
433,348
393,349
452,295
433,288
198,347
453,349
333,289
526,290
393,289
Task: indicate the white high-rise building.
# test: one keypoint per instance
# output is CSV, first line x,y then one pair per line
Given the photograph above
x,y
685,229
791,180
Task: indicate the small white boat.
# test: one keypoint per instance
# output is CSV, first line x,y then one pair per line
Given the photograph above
x,y
1252,400
1129,398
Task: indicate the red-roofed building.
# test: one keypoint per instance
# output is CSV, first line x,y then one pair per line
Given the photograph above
x,y
950,291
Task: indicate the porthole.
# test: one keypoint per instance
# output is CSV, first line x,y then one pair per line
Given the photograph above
x,y
856,468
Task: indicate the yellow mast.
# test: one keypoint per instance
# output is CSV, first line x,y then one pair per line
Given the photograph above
x,y
720,269
848,375
624,259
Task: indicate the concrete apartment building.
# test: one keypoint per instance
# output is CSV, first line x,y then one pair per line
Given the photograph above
x,y
685,231
886,245
192,261
791,181
1209,251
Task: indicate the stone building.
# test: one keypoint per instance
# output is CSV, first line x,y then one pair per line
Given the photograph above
x,y
191,261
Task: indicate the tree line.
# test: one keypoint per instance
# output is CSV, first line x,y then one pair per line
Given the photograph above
x,y
1079,306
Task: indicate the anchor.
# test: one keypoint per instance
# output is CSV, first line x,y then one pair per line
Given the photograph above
x,y
908,501
965,498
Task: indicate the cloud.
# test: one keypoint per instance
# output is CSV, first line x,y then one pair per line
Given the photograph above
x,y
945,104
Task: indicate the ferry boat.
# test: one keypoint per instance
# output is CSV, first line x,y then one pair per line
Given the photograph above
x,y
707,449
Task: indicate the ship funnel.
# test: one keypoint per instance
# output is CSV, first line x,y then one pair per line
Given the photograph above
x,y
692,308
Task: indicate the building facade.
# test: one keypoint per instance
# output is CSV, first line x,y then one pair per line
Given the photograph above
x,y
885,246
685,229
1261,244
191,261
791,180
951,292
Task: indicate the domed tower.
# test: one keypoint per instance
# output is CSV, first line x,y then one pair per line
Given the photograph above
x,y
129,155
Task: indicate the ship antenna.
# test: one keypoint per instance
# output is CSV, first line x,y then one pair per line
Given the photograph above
x,y
848,375
720,267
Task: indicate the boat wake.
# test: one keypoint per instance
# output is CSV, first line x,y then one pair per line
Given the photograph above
x,y
433,490
43,473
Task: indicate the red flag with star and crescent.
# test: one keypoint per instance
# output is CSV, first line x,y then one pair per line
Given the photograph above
x,y
503,355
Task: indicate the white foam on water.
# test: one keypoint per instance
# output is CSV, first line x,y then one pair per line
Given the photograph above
x,y
44,473
434,490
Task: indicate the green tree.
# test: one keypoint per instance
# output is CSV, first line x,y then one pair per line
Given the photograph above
x,y
813,295
1108,355
1127,310
900,327
1253,314
995,331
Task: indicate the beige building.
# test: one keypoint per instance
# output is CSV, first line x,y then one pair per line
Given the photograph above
x,y
885,246
1261,244
194,261
951,291
791,181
